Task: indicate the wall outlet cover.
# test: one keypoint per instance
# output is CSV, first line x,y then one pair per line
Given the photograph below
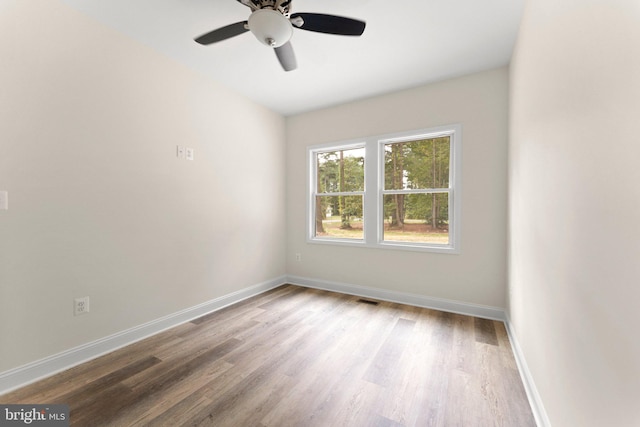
x,y
80,306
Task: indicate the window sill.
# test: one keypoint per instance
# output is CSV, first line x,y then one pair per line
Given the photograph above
x,y
400,246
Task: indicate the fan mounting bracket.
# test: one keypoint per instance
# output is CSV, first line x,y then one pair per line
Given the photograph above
x,y
281,6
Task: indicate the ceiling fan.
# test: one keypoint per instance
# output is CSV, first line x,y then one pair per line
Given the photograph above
x,y
272,24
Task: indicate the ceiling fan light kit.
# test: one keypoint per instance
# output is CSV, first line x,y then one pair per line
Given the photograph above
x,y
271,23
270,27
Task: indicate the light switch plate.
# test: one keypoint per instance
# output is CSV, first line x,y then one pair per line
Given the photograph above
x,y
4,200
180,152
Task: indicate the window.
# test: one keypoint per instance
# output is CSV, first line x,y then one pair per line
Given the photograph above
x,y
394,191
339,196
416,190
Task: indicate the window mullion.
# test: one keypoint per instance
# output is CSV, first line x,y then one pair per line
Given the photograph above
x,y
371,198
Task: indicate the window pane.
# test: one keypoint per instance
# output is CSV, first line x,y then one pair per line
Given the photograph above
x,y
419,218
340,171
417,164
339,217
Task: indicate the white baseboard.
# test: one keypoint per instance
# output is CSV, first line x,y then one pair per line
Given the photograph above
x,y
537,407
32,372
451,306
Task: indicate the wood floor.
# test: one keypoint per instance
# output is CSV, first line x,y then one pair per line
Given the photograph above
x,y
301,357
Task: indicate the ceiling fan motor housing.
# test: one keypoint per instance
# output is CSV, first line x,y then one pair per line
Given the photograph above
x,y
270,27
280,5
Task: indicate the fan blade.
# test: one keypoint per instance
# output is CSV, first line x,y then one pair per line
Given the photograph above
x,y
286,56
329,24
249,4
223,33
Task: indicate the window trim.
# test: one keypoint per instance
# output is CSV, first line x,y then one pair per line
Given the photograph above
x,y
374,191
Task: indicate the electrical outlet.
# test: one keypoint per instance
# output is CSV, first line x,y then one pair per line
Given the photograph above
x,y
80,306
180,152
298,257
189,153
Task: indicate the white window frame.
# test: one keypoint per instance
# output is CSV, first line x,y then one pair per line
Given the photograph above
x,y
373,195
312,191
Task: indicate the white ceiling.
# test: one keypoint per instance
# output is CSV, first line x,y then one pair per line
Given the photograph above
x,y
406,43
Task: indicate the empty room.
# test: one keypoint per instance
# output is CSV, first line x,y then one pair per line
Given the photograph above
x,y
337,213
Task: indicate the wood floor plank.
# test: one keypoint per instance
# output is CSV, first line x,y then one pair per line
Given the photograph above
x,y
384,365
308,391
405,396
434,404
169,374
189,393
301,357
93,390
201,342
460,411
176,415
352,404
380,421
485,331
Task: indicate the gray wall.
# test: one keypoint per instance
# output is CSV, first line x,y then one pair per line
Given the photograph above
x,y
99,205
478,102
574,207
